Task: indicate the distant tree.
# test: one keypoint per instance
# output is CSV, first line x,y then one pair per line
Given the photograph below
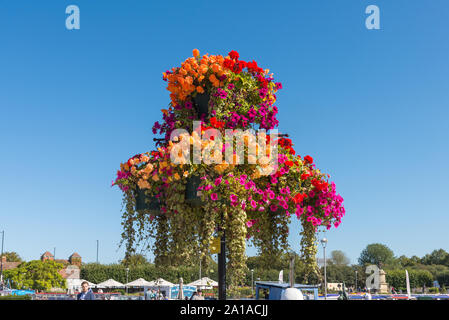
x,y
12,256
415,260
405,262
378,254
339,258
134,260
37,275
436,257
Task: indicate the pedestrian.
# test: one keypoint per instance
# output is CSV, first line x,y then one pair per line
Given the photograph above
x,y
198,295
86,293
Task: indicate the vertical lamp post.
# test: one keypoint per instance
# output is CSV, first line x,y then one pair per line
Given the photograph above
x,y
252,281
97,251
222,262
324,243
355,280
127,271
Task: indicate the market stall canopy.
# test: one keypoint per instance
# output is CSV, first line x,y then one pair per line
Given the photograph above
x,y
160,283
110,283
139,283
204,282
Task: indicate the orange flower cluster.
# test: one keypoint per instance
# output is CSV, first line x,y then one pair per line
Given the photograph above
x,y
194,74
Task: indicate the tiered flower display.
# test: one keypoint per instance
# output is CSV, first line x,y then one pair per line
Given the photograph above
x,y
240,190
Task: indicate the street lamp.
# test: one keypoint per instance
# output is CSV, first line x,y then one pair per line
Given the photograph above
x,y
127,271
355,280
324,243
252,281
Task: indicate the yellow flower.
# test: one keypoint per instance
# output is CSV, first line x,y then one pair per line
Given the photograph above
x,y
176,176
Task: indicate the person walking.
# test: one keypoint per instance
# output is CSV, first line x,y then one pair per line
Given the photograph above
x,y
86,293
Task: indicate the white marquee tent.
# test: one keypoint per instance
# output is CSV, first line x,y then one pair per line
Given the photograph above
x,y
139,283
204,283
110,283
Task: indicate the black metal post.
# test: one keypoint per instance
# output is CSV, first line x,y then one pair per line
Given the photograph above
x,y
222,264
97,251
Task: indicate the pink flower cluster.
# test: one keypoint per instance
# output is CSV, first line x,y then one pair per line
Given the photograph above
x,y
325,207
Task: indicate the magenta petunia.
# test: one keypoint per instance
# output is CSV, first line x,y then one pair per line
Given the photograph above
x,y
214,196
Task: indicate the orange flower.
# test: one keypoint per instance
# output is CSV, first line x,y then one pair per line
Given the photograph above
x,y
212,78
203,69
200,89
196,53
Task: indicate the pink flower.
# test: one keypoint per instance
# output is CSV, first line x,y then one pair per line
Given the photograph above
x,y
214,196
233,198
218,181
253,204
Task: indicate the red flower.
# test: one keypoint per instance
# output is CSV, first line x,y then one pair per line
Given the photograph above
x,y
229,64
234,55
320,185
308,159
304,176
299,198
289,163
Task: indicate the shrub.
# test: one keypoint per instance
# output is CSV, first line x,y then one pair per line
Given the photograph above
x,y
434,290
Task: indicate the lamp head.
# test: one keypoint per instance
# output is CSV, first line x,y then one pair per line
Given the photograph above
x,y
324,242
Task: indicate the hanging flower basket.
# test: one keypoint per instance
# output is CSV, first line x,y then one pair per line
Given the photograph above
x,y
144,202
192,193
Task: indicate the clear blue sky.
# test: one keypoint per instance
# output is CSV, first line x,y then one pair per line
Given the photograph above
x,y
370,106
